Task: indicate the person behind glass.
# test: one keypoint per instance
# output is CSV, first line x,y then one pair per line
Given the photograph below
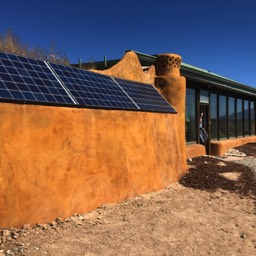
x,y
203,133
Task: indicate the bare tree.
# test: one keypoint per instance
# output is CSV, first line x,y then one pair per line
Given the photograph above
x,y
11,43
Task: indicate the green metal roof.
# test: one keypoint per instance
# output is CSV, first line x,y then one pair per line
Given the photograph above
x,y
191,72
202,75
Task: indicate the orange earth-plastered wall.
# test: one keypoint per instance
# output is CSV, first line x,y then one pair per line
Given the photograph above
x,y
165,76
195,150
129,68
56,161
218,148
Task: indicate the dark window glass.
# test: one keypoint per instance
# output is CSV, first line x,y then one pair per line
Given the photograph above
x,y
246,117
204,96
222,116
231,117
190,115
252,110
239,117
213,110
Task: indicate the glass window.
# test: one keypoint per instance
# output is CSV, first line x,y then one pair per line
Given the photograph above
x,y
252,114
204,96
213,112
222,117
231,118
246,117
190,115
239,117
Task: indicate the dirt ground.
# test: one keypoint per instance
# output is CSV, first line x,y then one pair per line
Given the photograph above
x,y
210,211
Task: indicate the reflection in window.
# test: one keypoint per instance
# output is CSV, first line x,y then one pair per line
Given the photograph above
x,y
246,117
222,116
252,114
231,117
239,117
190,115
204,96
213,110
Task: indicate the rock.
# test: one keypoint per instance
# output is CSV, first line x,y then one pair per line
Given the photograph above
x,y
2,254
58,220
53,224
221,164
234,152
6,232
14,236
243,235
26,227
21,250
9,252
42,226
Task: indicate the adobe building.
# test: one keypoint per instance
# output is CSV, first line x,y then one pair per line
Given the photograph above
x,y
228,107
72,140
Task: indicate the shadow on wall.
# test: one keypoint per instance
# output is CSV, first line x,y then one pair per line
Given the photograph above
x,y
210,174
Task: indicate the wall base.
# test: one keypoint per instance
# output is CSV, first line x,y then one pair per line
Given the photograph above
x,y
218,148
195,150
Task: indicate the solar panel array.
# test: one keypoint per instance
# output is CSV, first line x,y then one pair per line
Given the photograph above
x,y
92,89
145,96
29,80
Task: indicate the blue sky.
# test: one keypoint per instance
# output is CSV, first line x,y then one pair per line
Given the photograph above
x,y
219,36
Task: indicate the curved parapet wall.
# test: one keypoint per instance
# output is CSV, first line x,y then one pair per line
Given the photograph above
x,y
129,68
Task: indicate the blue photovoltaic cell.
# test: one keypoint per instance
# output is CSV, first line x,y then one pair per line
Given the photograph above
x,y
145,96
28,79
97,90
92,89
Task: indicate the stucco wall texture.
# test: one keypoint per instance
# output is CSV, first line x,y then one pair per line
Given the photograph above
x,y
56,161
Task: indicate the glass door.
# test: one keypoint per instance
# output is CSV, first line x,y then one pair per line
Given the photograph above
x,y
204,126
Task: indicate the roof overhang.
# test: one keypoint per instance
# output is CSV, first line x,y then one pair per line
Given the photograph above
x,y
202,75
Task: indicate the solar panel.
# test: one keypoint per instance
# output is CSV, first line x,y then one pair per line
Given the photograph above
x,y
30,80
92,89
145,96
97,90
